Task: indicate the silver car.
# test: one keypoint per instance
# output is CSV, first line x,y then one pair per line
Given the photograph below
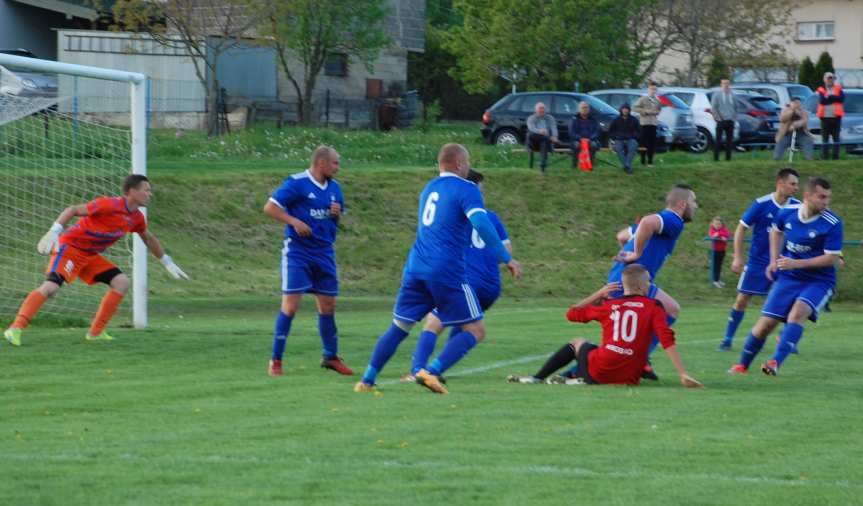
x,y
23,82
851,134
674,113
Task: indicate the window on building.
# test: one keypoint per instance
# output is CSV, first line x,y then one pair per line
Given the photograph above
x,y
816,30
336,65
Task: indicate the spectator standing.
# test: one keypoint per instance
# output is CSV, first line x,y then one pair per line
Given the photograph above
x,y
793,119
831,100
719,236
541,132
583,126
623,131
723,106
648,108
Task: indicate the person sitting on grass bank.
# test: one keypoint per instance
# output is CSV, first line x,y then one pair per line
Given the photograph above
x,y
624,132
542,133
628,326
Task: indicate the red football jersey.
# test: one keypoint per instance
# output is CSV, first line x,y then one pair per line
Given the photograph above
x,y
108,220
628,325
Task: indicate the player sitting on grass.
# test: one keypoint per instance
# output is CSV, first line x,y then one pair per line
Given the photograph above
x,y
628,324
103,222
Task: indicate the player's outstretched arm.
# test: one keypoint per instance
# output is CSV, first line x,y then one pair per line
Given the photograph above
x,y
739,238
647,227
687,380
47,242
155,247
485,229
599,295
777,238
276,212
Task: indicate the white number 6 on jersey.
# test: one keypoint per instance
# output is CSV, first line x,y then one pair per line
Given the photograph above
x,y
430,208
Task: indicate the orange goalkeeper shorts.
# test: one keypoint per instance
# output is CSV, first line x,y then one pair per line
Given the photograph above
x,y
69,263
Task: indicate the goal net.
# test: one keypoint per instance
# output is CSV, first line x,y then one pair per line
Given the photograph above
x,y
59,147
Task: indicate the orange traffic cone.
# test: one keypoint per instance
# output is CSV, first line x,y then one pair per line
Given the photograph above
x,y
584,162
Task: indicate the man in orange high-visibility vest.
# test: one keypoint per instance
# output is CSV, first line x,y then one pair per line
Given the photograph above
x,y
830,110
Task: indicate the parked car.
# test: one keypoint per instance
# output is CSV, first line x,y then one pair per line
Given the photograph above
x,y
506,121
21,81
852,122
758,117
781,93
674,112
699,102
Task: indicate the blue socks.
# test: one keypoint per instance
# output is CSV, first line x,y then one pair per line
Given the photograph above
x,y
734,319
455,349
424,349
329,335
280,335
788,339
751,348
384,350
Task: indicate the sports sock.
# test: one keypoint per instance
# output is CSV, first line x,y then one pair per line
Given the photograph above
x,y
110,302
424,349
384,350
329,335
453,331
560,358
455,349
734,319
280,335
28,309
750,349
788,339
655,340
570,373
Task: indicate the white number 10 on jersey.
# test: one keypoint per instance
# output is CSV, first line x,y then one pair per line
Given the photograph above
x,y
430,208
625,325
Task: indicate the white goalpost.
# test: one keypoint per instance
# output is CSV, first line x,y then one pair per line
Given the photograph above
x,y
57,148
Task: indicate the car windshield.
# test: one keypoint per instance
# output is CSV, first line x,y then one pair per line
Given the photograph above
x,y
854,103
597,104
798,91
686,98
764,103
678,103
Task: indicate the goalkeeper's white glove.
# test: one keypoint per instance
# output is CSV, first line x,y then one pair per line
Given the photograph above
x,y
47,242
175,271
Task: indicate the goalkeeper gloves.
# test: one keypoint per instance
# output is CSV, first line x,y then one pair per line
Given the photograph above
x,y
47,242
172,268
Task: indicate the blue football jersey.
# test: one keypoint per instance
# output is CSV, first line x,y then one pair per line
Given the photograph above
x,y
444,229
810,238
658,248
759,218
482,265
304,198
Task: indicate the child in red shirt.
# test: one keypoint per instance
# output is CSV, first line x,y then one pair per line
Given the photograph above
x,y
719,236
628,325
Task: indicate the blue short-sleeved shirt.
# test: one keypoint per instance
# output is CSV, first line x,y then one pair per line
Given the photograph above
x,y
759,218
444,229
658,248
304,198
818,235
483,270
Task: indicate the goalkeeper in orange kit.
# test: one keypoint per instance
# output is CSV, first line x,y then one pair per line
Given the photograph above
x,y
76,253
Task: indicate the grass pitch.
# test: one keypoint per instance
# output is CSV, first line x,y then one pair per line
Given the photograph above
x,y
184,413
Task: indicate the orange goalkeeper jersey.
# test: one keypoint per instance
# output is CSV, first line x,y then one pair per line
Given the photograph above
x,y
108,219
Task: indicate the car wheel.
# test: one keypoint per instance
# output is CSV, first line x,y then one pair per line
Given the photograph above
x,y
506,137
702,141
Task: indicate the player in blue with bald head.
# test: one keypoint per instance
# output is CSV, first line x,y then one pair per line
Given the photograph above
x,y
434,277
482,267
650,245
758,218
805,244
310,204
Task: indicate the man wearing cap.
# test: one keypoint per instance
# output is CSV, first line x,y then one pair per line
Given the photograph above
x,y
830,111
623,131
793,130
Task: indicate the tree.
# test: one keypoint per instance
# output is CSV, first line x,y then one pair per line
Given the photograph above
x,y
717,69
807,74
543,44
310,31
742,30
822,66
204,30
